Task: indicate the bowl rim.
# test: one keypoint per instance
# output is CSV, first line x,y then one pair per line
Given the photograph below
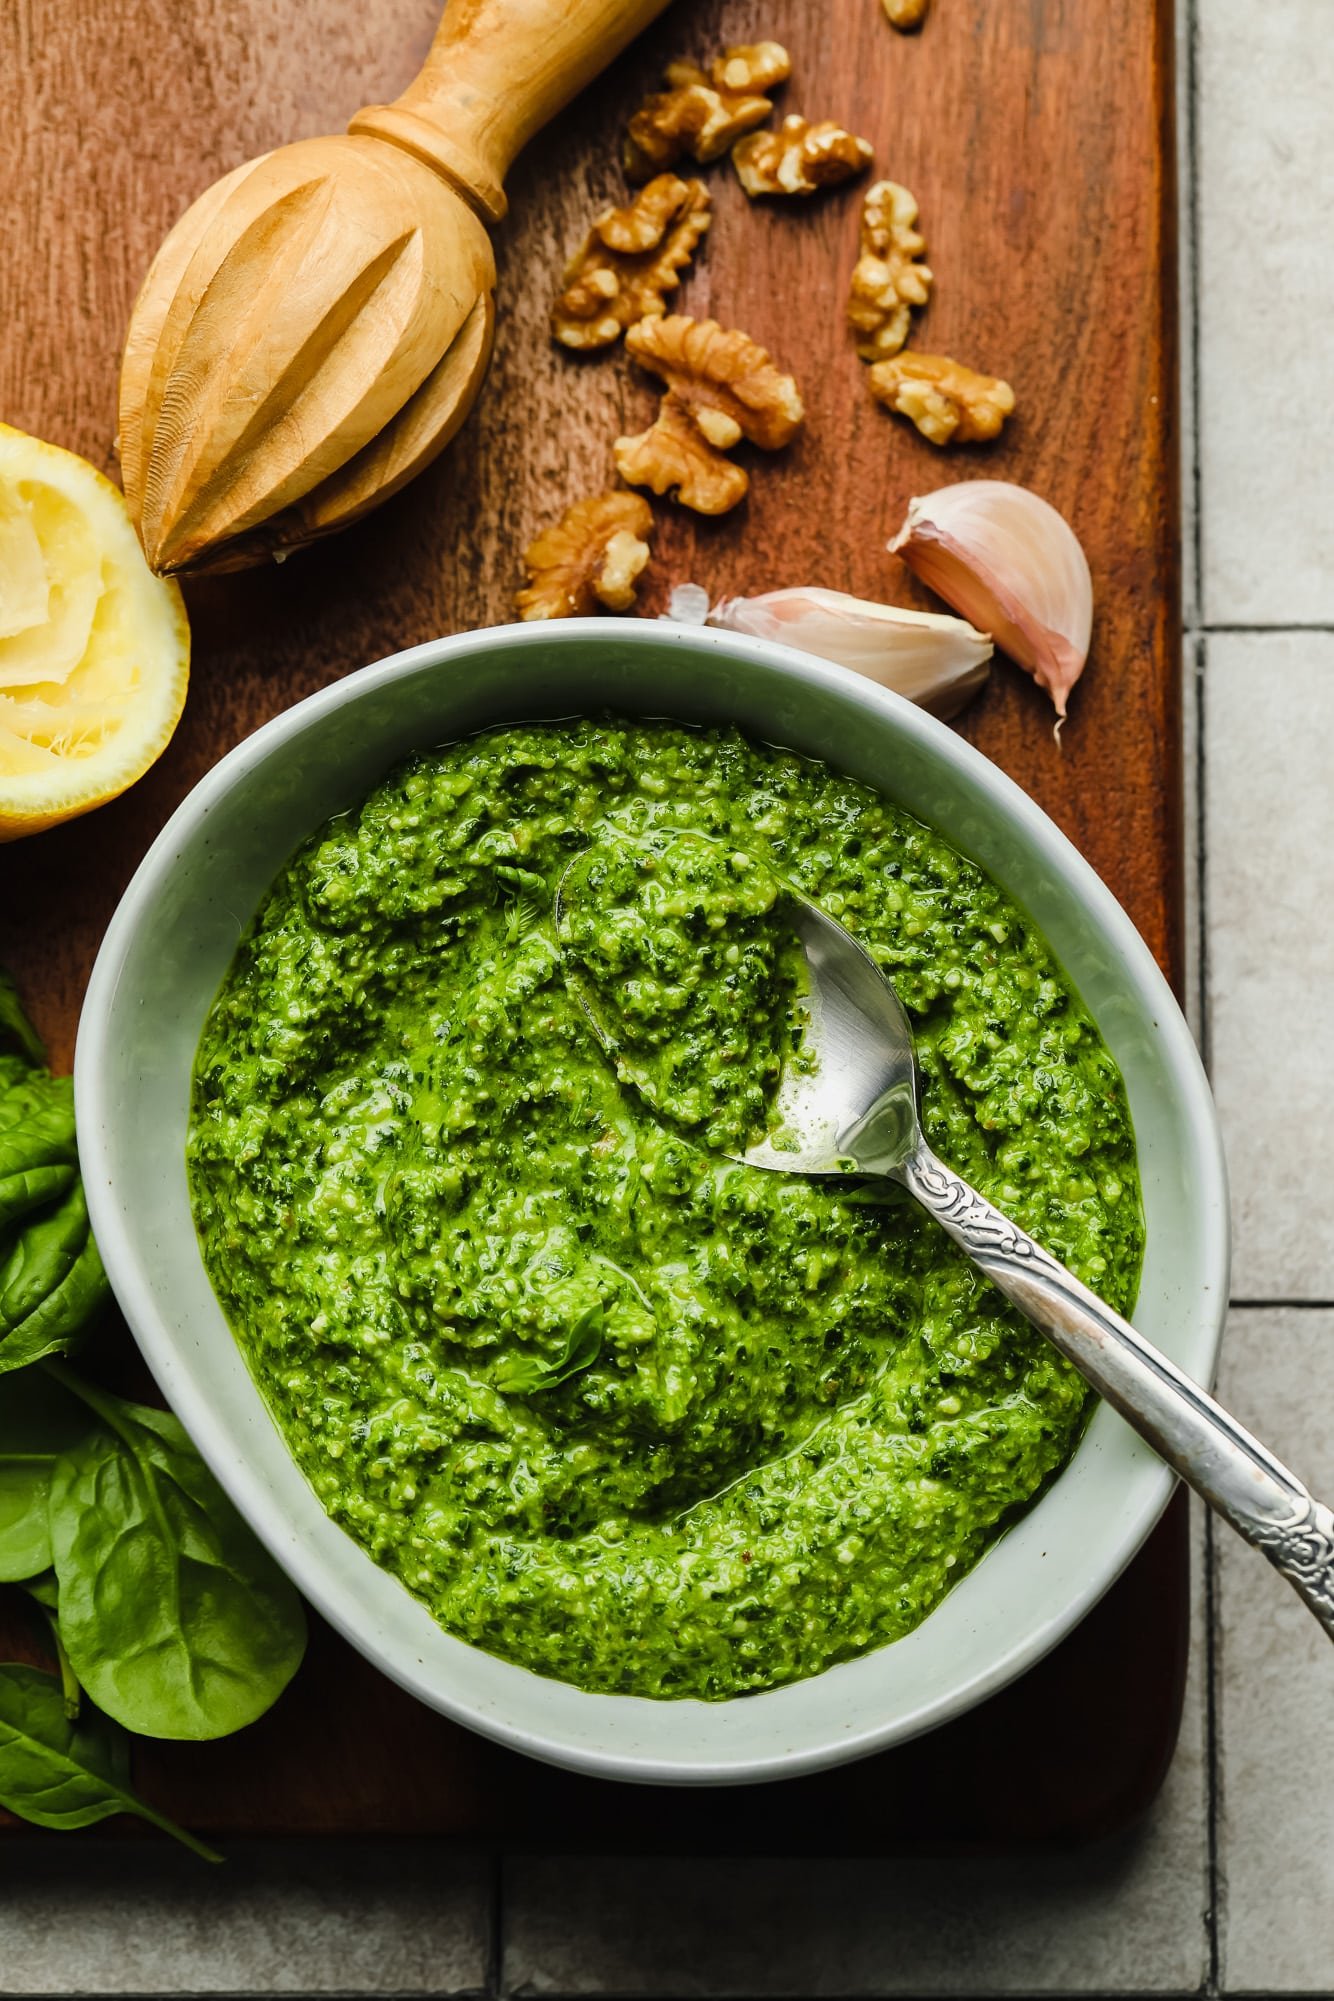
x,y
1002,795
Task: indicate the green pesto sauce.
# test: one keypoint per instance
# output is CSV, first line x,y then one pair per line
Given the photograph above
x,y
690,972
613,1405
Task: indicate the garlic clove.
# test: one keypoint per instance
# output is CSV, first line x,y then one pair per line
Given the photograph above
x,y
688,604
937,662
1006,559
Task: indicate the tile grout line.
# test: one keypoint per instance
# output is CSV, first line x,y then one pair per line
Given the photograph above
x,y
1199,659
1197,628
1189,97
1202,954
1200,692
1195,652
1194,629
529,1992
1214,1717
1277,1305
1212,1623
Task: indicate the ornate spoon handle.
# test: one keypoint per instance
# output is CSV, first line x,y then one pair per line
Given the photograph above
x,y
1264,1502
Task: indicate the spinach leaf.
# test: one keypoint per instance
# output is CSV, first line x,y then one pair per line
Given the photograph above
x,y
51,1277
64,1773
38,1158
44,1590
525,1375
51,1283
14,1072
177,1622
22,1090
38,1421
45,1594
15,1028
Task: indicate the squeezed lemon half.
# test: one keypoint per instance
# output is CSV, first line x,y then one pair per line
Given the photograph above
x,y
94,649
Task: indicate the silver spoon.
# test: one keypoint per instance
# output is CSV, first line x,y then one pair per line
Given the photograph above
x,y
855,1111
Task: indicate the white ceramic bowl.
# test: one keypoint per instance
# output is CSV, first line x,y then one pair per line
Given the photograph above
x,y
169,946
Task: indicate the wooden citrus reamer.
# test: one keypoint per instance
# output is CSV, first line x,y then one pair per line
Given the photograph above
x,y
316,327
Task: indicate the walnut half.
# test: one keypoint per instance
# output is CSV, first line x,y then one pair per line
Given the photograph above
x,y
673,455
799,158
950,404
889,278
631,259
701,112
591,556
721,387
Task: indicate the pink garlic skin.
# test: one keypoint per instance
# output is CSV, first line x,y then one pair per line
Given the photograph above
x,y
1006,560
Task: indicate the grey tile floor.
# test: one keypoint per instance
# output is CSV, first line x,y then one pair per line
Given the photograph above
x,y
1229,1887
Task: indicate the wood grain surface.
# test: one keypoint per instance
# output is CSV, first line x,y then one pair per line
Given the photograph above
x,y
1036,136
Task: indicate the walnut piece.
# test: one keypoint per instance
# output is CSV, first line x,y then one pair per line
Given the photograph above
x,y
721,388
799,158
905,15
701,112
675,454
591,556
950,404
631,258
724,378
889,279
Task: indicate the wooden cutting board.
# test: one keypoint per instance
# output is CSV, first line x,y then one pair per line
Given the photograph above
x,y
1037,138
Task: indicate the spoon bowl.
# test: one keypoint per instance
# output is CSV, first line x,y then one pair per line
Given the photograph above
x,y
854,1109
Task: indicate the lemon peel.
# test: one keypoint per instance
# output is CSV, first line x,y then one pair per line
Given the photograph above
x,y
94,649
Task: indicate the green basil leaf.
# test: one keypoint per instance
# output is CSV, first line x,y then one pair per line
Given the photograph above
x,y
51,1284
15,1027
525,1375
177,1622
64,1773
38,1421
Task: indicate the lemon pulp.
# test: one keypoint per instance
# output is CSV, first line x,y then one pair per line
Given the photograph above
x,y
94,649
